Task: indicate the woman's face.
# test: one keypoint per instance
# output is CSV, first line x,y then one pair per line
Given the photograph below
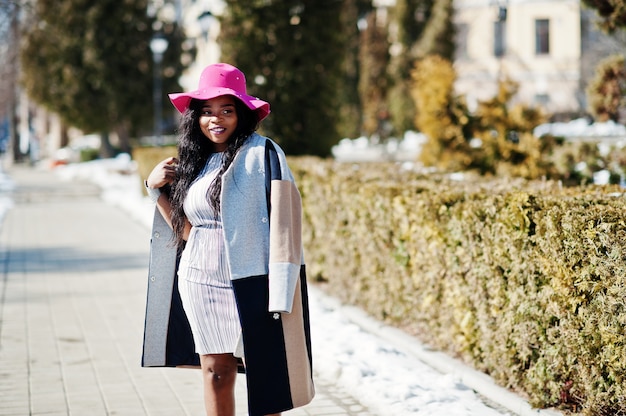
x,y
218,120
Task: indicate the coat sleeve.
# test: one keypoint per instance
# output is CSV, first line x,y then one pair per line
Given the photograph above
x,y
285,242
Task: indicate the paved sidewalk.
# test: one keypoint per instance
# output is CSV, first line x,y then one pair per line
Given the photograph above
x,y
73,273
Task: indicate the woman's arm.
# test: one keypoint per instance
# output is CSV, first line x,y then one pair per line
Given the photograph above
x,y
164,174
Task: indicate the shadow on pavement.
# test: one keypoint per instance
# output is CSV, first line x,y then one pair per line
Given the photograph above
x,y
68,259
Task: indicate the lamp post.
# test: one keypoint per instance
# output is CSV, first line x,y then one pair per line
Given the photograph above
x,y
206,51
158,45
205,20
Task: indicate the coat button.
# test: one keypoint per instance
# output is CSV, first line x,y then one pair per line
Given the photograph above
x,y
157,234
264,219
152,278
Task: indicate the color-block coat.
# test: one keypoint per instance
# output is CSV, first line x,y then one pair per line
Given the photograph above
x,y
261,216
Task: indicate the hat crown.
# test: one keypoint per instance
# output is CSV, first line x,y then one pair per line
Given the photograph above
x,y
223,76
217,80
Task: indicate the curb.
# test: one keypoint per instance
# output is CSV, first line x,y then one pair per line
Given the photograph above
x,y
476,380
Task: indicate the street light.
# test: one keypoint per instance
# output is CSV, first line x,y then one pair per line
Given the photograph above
x,y
208,51
205,20
158,45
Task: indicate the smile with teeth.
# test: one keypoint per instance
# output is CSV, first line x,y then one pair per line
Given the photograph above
x,y
218,130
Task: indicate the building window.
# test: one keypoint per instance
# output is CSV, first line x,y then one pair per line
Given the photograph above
x,y
542,36
462,30
542,99
499,38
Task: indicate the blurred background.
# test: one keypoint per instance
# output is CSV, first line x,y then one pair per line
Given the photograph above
x,y
496,86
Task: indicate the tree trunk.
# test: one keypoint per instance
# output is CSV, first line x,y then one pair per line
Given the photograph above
x,y
124,137
106,149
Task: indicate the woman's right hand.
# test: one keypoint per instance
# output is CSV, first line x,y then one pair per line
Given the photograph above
x,y
163,173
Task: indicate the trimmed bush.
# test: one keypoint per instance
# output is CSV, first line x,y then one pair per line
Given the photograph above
x,y
523,280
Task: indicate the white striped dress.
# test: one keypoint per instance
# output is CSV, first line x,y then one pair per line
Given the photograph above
x,y
203,275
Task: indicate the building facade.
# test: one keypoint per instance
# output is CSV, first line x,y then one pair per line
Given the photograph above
x,y
549,47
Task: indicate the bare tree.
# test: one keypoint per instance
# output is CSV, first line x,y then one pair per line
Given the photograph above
x,y
10,12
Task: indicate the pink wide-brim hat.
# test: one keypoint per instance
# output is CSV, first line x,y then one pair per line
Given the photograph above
x,y
221,79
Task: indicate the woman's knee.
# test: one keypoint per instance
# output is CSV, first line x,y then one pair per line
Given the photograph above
x,y
219,369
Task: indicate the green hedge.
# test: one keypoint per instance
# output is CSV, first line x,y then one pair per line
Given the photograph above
x,y
525,281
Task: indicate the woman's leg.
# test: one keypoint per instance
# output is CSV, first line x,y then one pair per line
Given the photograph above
x,y
219,373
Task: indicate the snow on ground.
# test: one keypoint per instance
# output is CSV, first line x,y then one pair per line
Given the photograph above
x,y
384,377
6,187
580,128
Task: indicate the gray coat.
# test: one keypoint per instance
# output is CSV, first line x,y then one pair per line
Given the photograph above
x,y
262,231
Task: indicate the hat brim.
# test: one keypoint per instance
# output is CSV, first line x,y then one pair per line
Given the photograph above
x,y
182,100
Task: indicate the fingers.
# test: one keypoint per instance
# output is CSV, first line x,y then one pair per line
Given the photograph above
x,y
171,161
163,173
170,169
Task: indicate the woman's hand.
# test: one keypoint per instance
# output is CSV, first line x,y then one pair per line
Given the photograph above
x,y
163,173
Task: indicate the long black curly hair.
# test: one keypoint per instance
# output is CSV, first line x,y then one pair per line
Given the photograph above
x,y
194,149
